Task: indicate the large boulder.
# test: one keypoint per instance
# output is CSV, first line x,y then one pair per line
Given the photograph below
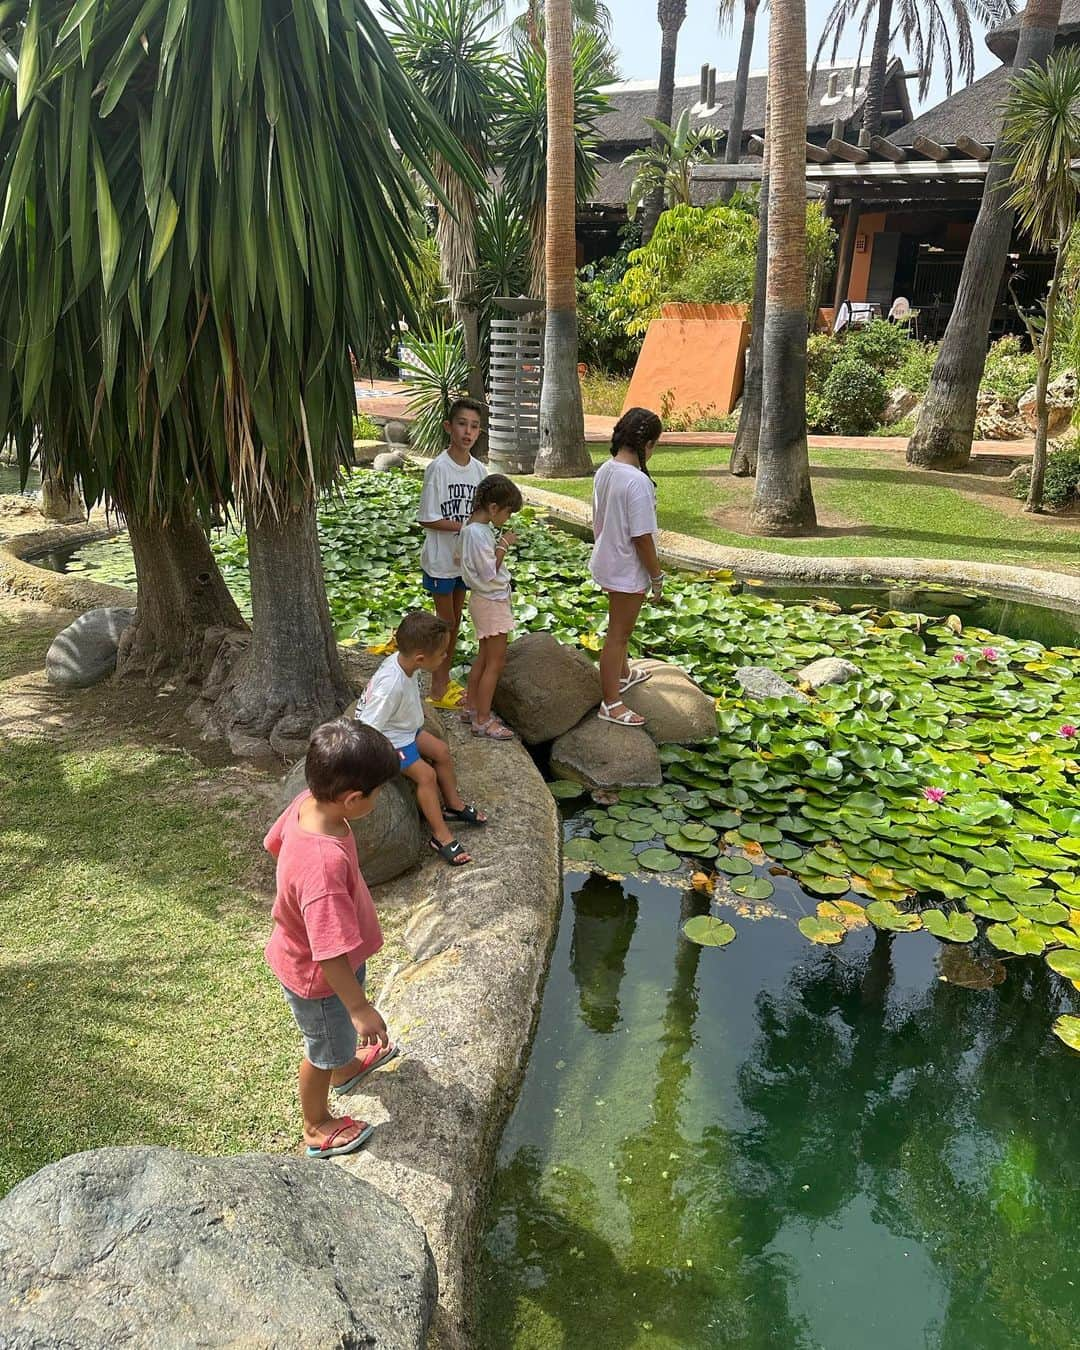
x,y
1060,402
828,670
388,841
389,459
761,682
149,1247
604,756
675,710
902,403
996,418
85,652
546,688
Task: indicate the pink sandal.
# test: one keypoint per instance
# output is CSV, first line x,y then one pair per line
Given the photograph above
x,y
493,729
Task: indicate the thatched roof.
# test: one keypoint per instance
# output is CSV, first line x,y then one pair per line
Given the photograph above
x,y
1002,40
624,126
974,111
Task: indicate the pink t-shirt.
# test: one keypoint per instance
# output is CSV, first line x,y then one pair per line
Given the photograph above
x,y
323,907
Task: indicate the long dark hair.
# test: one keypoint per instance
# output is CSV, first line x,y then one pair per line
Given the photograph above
x,y
634,430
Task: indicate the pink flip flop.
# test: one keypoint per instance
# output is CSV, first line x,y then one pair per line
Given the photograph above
x,y
329,1149
371,1058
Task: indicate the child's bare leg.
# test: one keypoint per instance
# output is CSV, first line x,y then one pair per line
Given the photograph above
x,y
475,676
449,608
441,767
623,611
315,1104
427,791
494,651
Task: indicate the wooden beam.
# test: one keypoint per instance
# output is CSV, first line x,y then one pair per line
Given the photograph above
x,y
887,150
756,146
973,149
845,252
854,154
925,146
817,154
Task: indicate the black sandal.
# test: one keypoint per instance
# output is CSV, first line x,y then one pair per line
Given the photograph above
x,y
468,815
451,853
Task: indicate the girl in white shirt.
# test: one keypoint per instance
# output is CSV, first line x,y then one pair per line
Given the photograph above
x,y
624,560
484,544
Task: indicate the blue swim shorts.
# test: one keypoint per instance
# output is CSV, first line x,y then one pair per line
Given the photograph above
x,y
327,1029
409,755
442,585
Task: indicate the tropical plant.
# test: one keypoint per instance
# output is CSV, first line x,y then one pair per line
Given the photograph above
x,y
458,68
1042,118
670,15
527,28
946,425
502,242
562,453
523,136
935,33
436,371
783,501
667,166
853,397
215,252
1061,486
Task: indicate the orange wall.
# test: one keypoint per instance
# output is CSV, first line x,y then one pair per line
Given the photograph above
x,y
870,224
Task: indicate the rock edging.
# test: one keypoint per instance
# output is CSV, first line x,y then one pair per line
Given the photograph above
x,y
30,582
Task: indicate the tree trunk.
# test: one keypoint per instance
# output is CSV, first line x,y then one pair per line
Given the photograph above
x,y
744,453
562,422
671,20
291,678
181,593
1045,352
733,147
455,233
60,502
783,500
875,85
946,425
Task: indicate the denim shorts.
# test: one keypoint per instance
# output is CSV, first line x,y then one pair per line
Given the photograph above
x,y
442,585
327,1029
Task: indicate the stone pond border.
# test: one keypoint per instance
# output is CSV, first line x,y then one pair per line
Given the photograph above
x,y
61,590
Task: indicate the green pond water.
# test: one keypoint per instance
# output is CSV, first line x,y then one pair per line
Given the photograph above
x,y
776,1145
9,480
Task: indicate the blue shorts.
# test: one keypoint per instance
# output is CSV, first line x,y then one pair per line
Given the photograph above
x,y
442,585
409,755
327,1029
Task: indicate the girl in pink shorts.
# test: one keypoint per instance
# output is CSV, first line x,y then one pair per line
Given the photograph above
x,y
484,544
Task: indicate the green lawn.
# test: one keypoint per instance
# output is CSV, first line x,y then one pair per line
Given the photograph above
x,y
137,1006
871,504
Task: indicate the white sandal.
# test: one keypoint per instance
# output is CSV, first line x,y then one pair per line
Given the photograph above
x,y
637,676
626,718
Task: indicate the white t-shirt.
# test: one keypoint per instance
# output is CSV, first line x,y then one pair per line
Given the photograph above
x,y
448,492
624,509
391,703
478,564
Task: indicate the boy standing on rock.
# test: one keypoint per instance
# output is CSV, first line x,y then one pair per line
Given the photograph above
x,y
446,503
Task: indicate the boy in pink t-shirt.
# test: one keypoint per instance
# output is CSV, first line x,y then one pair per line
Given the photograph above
x,y
325,926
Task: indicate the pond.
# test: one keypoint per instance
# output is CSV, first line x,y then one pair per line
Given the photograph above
x,y
9,480
776,1145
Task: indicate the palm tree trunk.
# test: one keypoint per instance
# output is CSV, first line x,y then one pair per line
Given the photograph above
x,y
60,501
733,147
562,451
744,453
783,500
875,87
671,20
946,425
455,232
1045,350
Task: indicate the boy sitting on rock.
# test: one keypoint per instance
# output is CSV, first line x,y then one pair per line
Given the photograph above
x,y
392,704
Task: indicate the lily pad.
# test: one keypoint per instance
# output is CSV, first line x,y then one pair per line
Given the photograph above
x,y
564,790
634,831
884,914
1067,1028
708,932
658,860
784,852
1066,963
821,885
827,932
847,912
580,850
753,888
954,927
734,867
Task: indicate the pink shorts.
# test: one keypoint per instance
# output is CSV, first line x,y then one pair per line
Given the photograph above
x,y
490,617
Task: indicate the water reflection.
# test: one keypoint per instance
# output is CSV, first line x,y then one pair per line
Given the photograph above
x,y
778,1146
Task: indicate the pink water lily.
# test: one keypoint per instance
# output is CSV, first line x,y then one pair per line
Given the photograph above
x,y
934,795
989,654
1068,731
959,657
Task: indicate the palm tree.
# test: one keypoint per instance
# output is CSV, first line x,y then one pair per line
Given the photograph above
x,y
591,16
946,425
458,69
562,422
669,167
216,253
744,453
927,28
783,500
733,145
670,14
1042,118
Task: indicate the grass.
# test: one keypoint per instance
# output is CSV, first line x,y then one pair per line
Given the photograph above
x,y
603,395
872,505
138,1008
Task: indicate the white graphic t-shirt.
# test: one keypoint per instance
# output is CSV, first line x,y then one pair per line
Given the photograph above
x,y
624,509
448,492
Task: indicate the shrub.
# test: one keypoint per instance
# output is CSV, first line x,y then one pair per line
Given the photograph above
x,y
822,353
364,429
603,340
817,417
435,370
854,397
603,395
1061,487
1009,372
880,344
917,366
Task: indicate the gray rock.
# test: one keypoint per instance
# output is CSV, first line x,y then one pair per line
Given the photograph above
x,y
149,1247
85,652
1021,474
546,688
829,670
675,710
761,682
601,755
1060,402
389,459
396,432
902,403
388,841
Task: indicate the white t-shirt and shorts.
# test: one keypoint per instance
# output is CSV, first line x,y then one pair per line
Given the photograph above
x,y
391,703
488,581
624,509
447,494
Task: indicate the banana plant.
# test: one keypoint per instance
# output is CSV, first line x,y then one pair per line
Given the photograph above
x,y
667,163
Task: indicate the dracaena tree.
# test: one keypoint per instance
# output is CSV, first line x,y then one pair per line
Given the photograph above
x,y
222,211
